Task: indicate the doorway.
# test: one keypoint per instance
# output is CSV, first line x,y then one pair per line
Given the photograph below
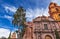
x,y
48,37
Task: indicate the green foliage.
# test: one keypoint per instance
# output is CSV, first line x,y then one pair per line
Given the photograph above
x,y
57,34
19,19
16,31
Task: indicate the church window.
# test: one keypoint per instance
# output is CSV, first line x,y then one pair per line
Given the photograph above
x,y
45,26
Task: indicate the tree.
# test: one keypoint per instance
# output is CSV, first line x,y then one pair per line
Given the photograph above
x,y
9,36
57,34
19,20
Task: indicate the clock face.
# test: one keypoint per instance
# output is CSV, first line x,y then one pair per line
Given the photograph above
x,y
56,16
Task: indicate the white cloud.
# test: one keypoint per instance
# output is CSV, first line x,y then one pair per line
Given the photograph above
x,y
33,13
56,1
45,12
9,8
6,16
10,18
4,32
29,13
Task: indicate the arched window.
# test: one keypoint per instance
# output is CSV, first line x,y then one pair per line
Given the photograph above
x,y
48,37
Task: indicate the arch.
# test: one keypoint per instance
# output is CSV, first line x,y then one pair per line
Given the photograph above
x,y
48,37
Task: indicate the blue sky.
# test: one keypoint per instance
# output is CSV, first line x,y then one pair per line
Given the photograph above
x,y
33,8
9,7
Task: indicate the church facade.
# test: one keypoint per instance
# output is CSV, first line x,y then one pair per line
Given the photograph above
x,y
43,27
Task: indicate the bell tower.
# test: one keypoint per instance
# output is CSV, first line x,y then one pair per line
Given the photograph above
x,y
54,11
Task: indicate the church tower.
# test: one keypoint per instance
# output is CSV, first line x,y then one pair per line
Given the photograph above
x,y
54,11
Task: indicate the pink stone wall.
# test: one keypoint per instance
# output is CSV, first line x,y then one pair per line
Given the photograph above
x,y
31,32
